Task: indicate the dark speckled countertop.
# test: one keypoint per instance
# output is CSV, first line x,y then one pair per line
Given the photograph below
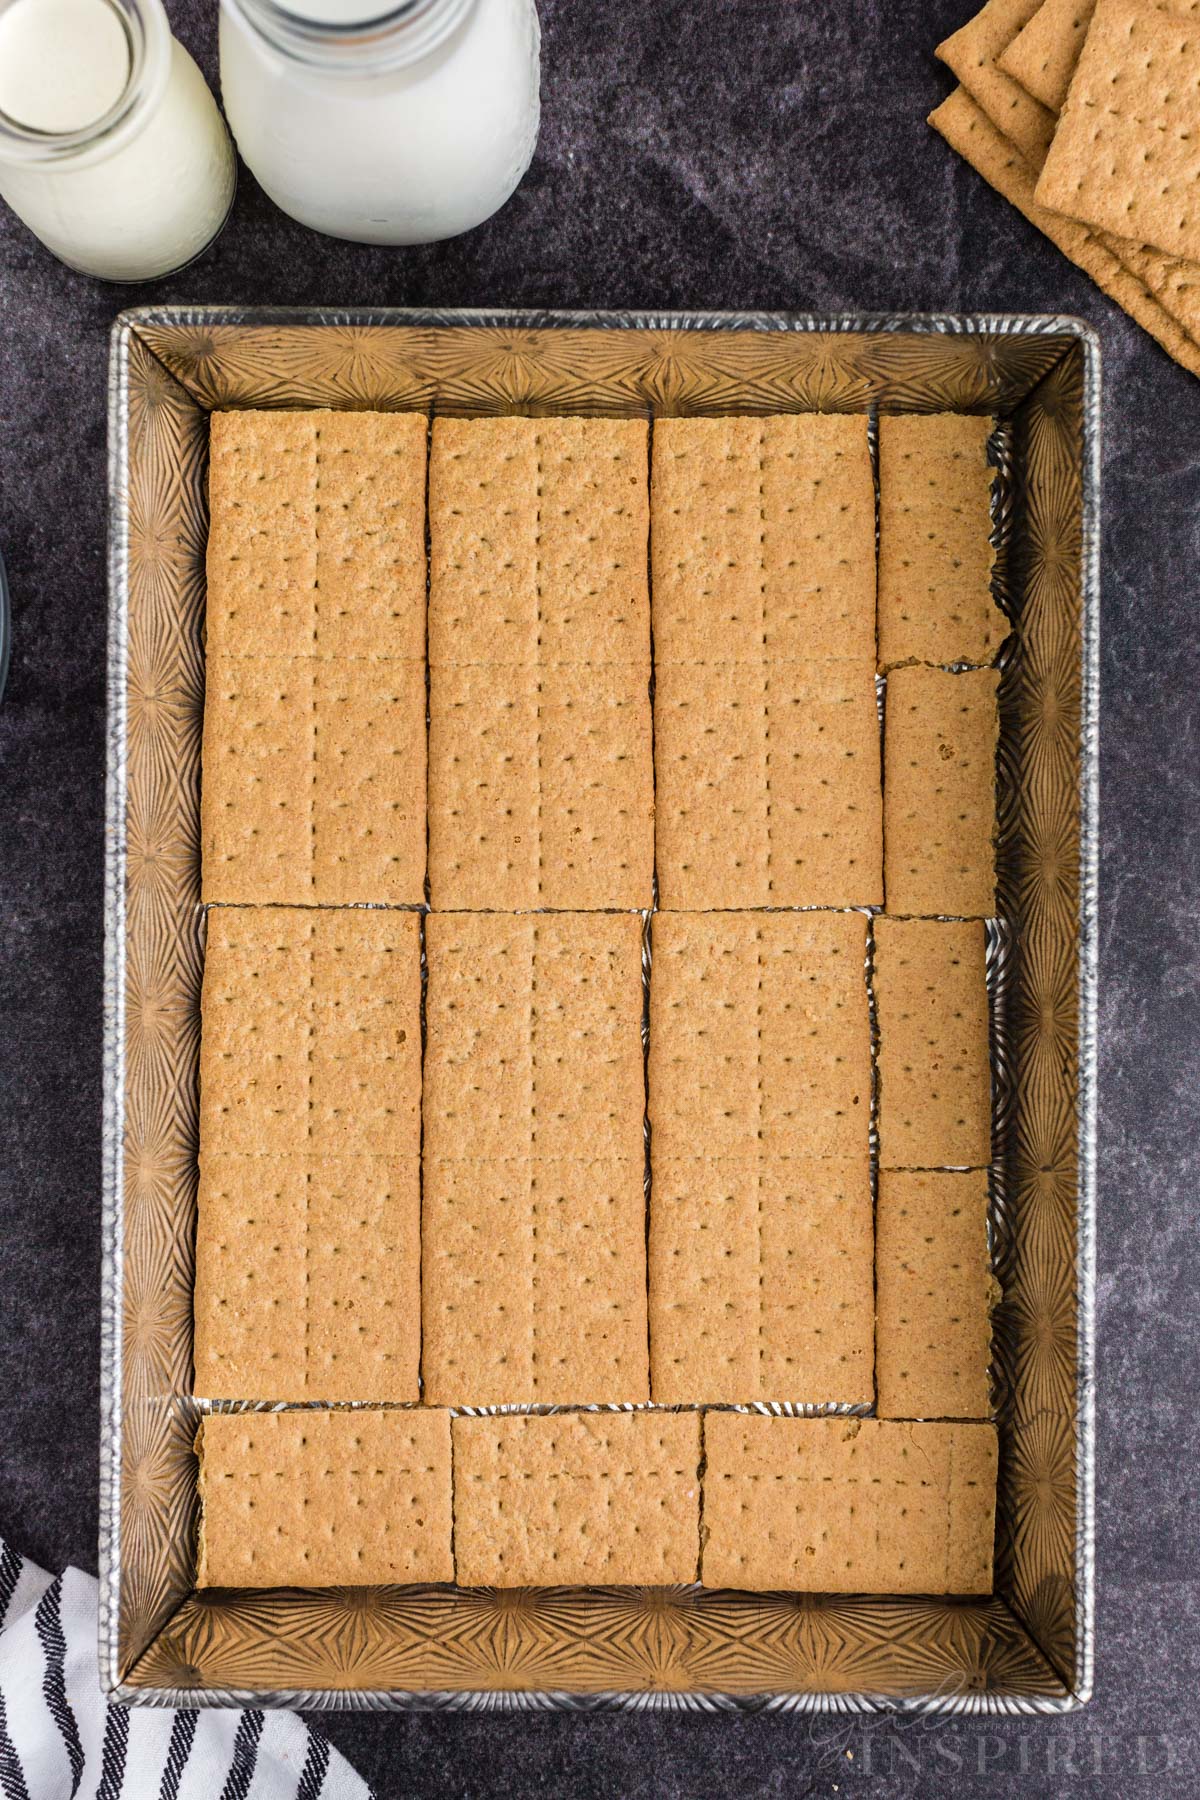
x,y
694,153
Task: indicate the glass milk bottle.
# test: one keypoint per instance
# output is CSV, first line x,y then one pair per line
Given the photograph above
x,y
397,126
112,149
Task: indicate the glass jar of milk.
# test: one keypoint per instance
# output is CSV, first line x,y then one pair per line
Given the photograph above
x,y
112,149
397,125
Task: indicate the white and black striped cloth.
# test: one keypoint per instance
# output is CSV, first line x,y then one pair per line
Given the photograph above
x,y
59,1737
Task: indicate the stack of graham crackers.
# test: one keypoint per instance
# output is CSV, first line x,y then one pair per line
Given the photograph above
x,y
1086,115
555,869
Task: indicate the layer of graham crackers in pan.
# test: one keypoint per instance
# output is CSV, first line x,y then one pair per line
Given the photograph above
x,y
840,1505
325,1499
934,1293
540,775
940,735
534,1276
577,1499
307,1237
313,786
934,1069
935,552
533,1228
1126,154
766,748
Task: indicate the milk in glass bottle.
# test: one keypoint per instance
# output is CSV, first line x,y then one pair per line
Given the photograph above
x,y
111,146
387,125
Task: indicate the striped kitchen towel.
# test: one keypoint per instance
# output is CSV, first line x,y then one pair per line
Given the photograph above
x,y
60,1737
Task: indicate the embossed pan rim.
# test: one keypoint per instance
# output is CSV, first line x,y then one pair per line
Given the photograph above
x,y
947,324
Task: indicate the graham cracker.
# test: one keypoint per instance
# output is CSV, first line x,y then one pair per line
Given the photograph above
x,y
1126,155
307,1238
939,791
313,789
934,1069
316,540
313,786
533,1228
541,780
541,787
761,1280
843,1506
311,1033
1161,295
325,1499
934,1295
1043,55
767,785
935,552
534,1282
577,1499
763,539
971,53
533,1036
307,1281
759,1036
538,542
1172,283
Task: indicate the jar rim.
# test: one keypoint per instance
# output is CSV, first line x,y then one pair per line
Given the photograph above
x,y
149,38
390,34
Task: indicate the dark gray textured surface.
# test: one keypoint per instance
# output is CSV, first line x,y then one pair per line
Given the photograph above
x,y
717,153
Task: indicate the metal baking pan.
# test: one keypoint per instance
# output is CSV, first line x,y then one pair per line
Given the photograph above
x,y
1029,1648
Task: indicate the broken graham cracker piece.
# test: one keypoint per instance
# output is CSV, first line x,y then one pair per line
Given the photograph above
x,y
761,1279
541,778
935,1107
313,788
533,1229
1043,54
935,1293
971,54
763,539
1162,299
939,791
845,1506
307,1238
312,1499
767,785
577,1499
935,552
541,787
1126,154
759,1035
